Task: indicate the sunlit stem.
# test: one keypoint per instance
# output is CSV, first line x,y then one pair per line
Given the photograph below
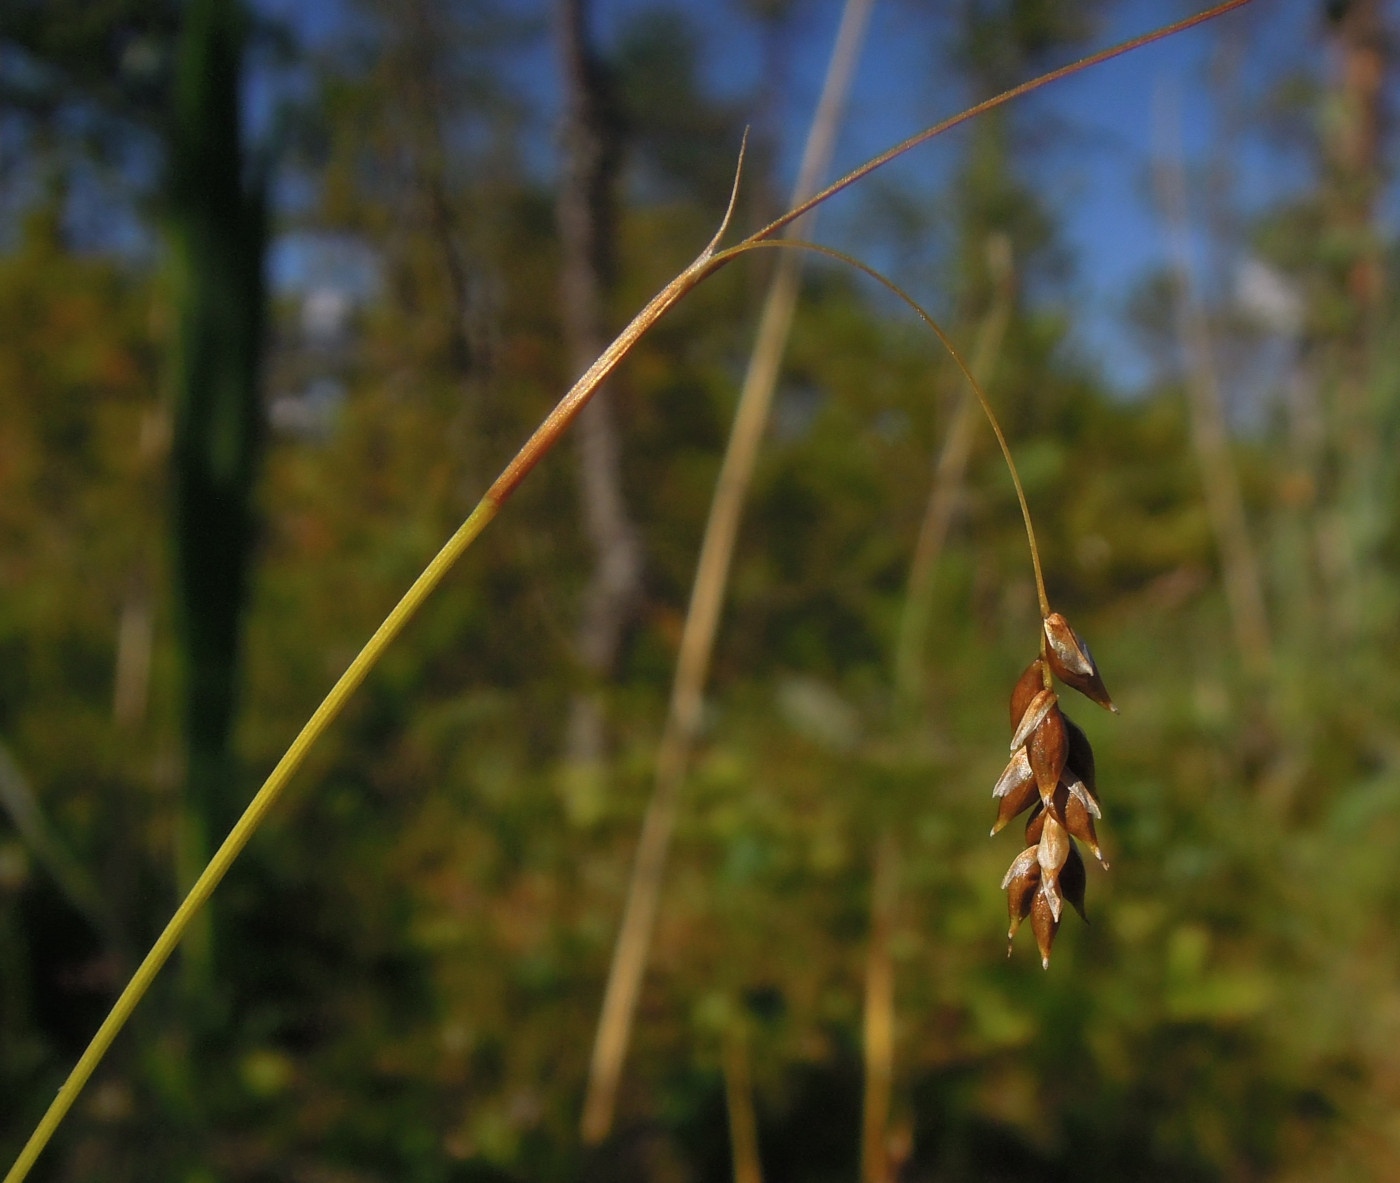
x,y
539,444
534,449
918,309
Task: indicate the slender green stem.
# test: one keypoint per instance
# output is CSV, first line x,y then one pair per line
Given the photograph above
x,y
530,454
238,837
852,261
544,438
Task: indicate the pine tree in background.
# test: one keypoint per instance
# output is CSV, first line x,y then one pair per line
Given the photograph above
x,y
219,227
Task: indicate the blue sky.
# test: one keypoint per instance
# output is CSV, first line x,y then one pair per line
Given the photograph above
x,y
1095,171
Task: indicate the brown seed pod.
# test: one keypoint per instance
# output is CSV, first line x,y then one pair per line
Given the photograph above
x,y
1020,889
1035,713
1072,662
1035,824
1044,923
1080,757
1015,774
1051,853
1047,748
1053,848
1086,798
1080,823
1020,866
1031,683
1052,771
1014,802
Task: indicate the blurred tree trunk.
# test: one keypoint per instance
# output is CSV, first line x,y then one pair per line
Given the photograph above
x,y
633,944
877,1040
428,40
1210,437
947,489
738,1097
219,229
586,216
1355,511
1354,143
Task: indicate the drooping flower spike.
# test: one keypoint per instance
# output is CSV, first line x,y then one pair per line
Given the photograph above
x,y
1051,769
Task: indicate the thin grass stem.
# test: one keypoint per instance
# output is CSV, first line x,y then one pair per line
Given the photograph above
x,y
243,830
958,360
632,946
878,1018
739,1101
536,447
990,104
943,492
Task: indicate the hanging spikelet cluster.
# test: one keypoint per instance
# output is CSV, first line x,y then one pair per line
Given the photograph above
x,y
1052,768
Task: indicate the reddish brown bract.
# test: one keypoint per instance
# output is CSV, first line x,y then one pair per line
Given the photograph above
x,y
1071,661
1052,768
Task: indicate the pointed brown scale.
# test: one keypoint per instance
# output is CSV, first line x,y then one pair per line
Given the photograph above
x,y
1044,924
1077,789
1035,824
1060,801
1031,683
1047,748
1073,880
1020,889
1050,889
1017,773
1035,714
1080,823
1053,848
1072,662
1080,756
1052,852
1014,803
1067,649
1021,865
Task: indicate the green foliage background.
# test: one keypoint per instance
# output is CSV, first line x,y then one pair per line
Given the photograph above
x,y
409,958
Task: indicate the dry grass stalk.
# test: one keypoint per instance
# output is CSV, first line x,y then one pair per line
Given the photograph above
x,y
540,443
632,949
738,1098
585,213
947,485
1244,593
877,1159
878,1031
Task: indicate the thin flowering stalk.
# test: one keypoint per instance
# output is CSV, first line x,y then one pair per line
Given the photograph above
x,y
706,263
947,481
958,360
992,103
1052,764
879,994
543,439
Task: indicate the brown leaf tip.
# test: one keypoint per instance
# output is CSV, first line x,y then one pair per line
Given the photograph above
x,y
1030,683
1035,714
1072,662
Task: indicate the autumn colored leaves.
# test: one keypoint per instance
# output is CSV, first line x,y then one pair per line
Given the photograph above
x,y
1052,768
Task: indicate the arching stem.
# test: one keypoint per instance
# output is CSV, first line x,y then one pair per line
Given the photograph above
x,y
922,313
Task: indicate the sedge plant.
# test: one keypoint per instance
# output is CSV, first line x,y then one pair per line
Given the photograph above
x,y
1041,730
